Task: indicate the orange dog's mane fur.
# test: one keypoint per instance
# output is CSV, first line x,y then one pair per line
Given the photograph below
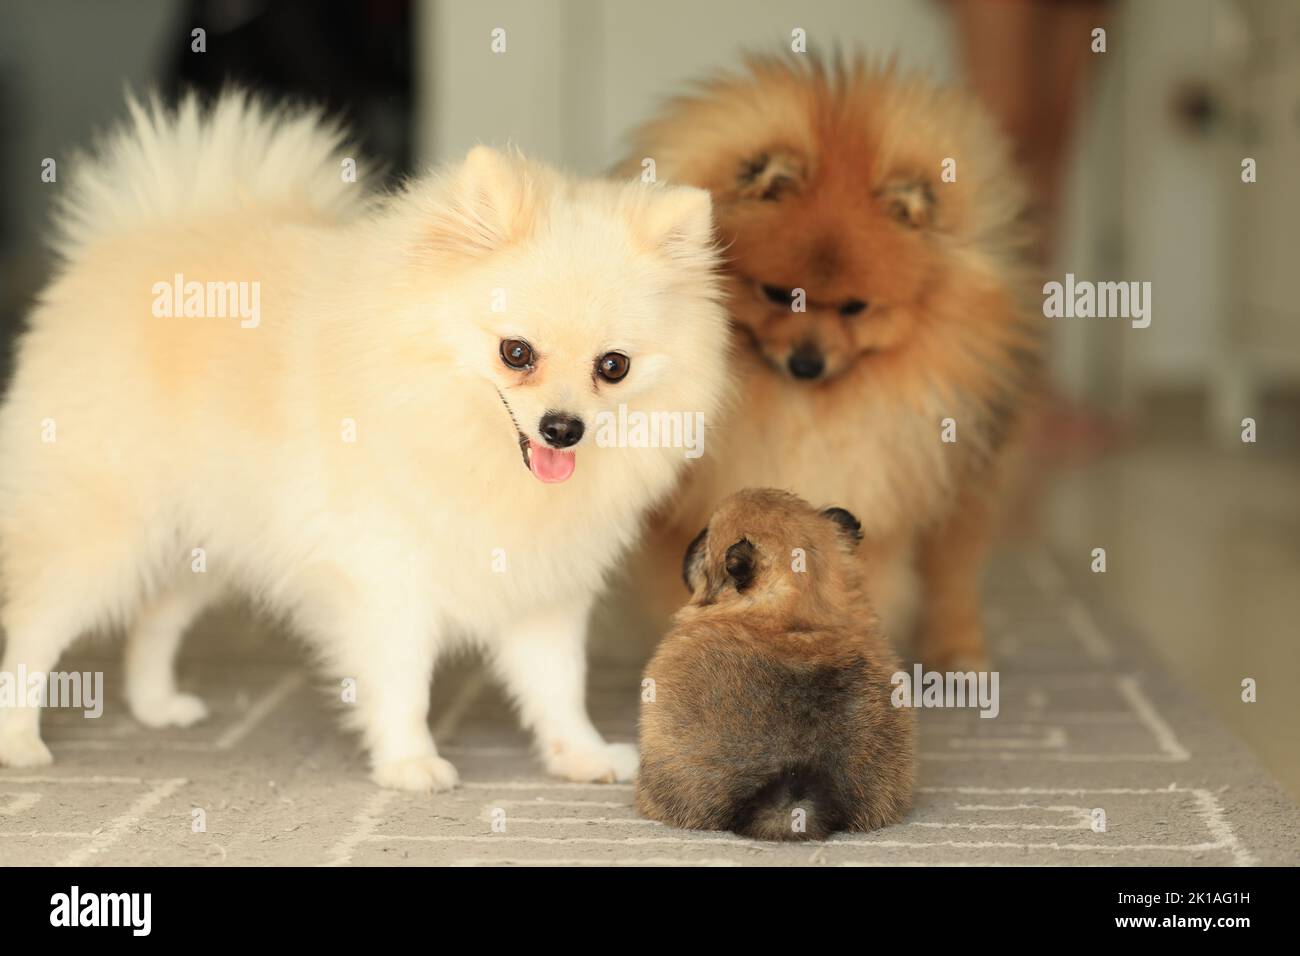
x,y
829,177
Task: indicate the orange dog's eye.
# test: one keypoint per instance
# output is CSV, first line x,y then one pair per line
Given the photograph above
x,y
853,307
778,296
613,366
517,354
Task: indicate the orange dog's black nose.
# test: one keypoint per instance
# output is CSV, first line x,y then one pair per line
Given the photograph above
x,y
561,430
806,363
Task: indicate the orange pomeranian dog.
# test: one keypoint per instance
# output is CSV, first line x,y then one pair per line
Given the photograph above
x,y
881,297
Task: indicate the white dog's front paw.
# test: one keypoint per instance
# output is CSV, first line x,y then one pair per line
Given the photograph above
x,y
428,773
24,750
175,710
608,763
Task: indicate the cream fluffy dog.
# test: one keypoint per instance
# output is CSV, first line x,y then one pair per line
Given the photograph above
x,y
390,439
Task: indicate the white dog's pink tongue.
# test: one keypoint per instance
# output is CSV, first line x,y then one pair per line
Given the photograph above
x,y
550,464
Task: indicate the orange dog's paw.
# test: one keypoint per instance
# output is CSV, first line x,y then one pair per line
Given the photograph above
x,y
958,651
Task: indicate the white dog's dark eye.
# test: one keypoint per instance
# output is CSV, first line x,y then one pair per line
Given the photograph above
x,y
517,353
613,366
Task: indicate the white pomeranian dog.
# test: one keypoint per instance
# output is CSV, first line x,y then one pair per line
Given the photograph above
x,y
376,416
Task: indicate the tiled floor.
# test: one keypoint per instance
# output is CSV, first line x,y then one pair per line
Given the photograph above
x,y
1203,559
1094,758
1109,747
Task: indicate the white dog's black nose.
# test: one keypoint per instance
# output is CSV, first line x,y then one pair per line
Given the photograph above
x,y
560,430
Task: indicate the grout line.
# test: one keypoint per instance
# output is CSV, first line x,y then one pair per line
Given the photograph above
x,y
543,785
939,863
583,821
603,841
285,686
1088,633
369,817
465,695
119,825
90,743
999,826
1220,828
1010,845
1054,738
1045,573
547,802
752,845
48,778
943,723
1057,790
596,861
1146,711
1054,757
997,807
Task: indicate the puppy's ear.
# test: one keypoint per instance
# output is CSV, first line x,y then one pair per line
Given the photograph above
x,y
693,563
678,221
740,564
771,175
849,526
490,202
909,200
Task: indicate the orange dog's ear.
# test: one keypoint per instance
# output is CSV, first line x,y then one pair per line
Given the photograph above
x,y
909,200
771,175
491,202
849,526
693,563
741,563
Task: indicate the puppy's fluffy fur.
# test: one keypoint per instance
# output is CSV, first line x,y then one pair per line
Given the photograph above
x,y
919,309
772,690
353,461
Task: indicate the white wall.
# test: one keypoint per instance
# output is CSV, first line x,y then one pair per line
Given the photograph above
x,y
578,74
1173,191
65,67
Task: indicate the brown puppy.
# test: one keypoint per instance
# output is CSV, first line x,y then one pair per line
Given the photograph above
x,y
767,706
884,315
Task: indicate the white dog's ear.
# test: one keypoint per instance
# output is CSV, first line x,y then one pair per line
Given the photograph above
x,y
489,203
678,221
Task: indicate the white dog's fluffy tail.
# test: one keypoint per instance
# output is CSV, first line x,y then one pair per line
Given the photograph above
x,y
235,154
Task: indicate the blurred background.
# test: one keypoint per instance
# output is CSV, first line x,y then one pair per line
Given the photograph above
x,y
1135,155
